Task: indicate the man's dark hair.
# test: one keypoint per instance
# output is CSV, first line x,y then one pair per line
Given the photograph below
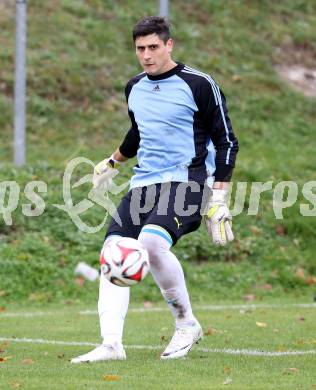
x,y
152,25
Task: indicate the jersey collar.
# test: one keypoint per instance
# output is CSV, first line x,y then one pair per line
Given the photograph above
x,y
170,72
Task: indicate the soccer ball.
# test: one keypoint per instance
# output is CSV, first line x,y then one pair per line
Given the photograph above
x,y
124,262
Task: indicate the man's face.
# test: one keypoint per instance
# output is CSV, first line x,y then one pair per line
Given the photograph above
x,y
154,54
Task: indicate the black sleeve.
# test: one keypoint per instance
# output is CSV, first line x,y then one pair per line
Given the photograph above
x,y
212,103
130,143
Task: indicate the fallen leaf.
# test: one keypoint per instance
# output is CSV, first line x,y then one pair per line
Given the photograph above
x,y
2,293
227,381
276,330
291,370
85,103
2,308
300,273
280,230
255,230
80,281
110,107
209,331
310,280
227,370
301,318
27,361
36,297
148,304
261,324
236,78
267,286
111,378
249,297
5,358
15,385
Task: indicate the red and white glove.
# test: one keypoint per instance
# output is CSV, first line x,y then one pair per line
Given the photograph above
x,y
104,172
218,218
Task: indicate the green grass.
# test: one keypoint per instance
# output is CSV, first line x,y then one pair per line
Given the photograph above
x,y
288,328
79,57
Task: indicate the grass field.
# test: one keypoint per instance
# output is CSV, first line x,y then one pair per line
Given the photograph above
x,y
77,67
264,346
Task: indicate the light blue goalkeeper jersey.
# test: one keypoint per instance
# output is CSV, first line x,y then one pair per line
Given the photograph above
x,y
180,129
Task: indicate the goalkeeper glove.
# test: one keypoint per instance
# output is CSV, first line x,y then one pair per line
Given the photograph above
x,y
104,172
218,218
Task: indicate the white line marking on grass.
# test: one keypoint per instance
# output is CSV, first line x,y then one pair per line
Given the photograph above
x,y
259,306
139,310
35,314
256,352
248,352
219,307
43,341
160,309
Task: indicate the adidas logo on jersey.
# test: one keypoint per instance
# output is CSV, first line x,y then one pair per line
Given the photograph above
x,y
156,88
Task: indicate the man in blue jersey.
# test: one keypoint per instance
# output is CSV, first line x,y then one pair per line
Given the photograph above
x,y
186,149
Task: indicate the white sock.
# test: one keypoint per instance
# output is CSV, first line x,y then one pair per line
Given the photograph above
x,y
112,307
168,274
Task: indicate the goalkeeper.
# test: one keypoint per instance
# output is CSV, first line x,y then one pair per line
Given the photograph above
x,y
184,143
